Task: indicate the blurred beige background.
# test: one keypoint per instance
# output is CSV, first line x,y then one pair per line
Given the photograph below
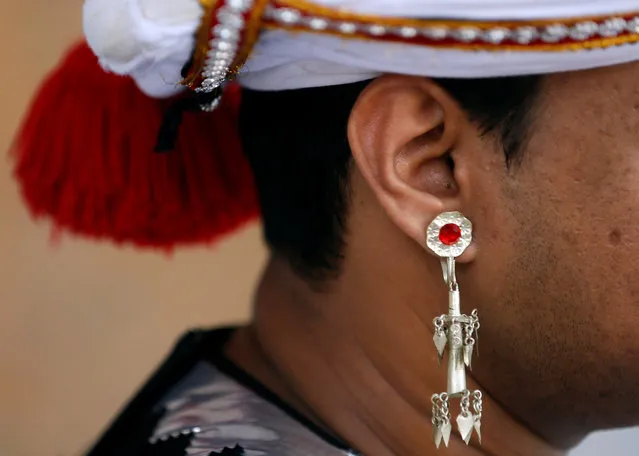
x,y
81,325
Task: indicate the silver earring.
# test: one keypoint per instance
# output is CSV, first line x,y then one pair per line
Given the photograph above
x,y
448,236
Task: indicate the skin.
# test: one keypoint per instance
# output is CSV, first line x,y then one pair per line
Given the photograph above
x,y
551,271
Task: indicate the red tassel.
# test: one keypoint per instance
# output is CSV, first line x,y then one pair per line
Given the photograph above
x,y
85,159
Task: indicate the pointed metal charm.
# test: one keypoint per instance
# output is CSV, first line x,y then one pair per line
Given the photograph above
x,y
437,435
465,426
446,430
440,340
468,356
477,426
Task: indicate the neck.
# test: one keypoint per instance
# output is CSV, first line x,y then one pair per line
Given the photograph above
x,y
367,379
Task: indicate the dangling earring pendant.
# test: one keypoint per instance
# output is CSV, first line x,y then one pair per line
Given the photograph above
x,y
448,236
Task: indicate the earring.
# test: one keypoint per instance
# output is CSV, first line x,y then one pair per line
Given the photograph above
x,y
448,236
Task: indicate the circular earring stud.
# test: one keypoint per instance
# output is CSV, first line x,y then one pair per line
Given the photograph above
x,y
449,235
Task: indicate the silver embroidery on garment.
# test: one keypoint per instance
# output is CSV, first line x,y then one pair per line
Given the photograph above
x,y
221,413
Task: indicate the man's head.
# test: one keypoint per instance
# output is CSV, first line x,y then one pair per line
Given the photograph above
x,y
546,169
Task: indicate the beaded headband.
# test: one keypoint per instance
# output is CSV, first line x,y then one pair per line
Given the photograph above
x,y
230,29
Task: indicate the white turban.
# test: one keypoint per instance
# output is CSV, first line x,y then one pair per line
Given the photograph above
x,y
151,40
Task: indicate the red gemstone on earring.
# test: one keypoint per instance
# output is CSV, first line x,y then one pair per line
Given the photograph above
x,y
449,234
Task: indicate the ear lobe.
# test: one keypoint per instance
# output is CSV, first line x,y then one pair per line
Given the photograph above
x,y
401,132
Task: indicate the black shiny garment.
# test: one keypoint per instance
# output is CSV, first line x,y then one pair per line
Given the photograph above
x,y
198,403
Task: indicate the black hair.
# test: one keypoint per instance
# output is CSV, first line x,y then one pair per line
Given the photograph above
x,y
297,145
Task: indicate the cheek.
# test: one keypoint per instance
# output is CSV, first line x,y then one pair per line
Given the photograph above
x,y
555,278
595,237
579,188
568,298
587,211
